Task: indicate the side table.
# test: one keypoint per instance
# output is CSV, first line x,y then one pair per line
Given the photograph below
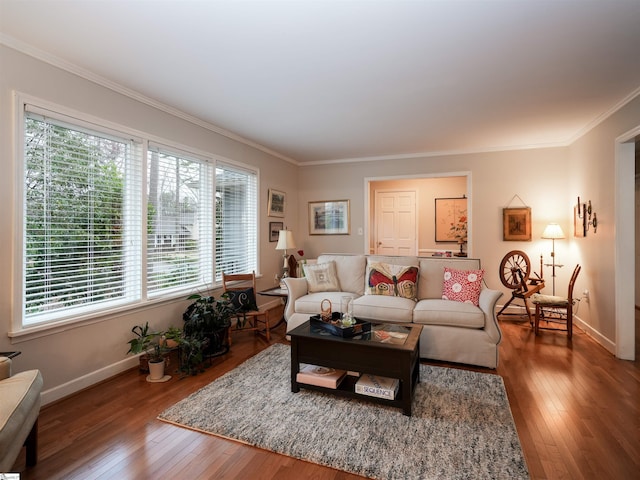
x,y
276,292
9,354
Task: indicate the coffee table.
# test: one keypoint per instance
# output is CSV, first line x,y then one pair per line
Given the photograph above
x,y
364,354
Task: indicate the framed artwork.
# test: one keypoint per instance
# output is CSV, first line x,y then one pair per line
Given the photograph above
x,y
451,219
277,203
274,230
329,218
516,224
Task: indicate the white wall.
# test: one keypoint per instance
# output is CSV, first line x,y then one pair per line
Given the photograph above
x,y
547,180
81,355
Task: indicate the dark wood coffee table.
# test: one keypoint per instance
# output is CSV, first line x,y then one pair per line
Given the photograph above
x,y
364,354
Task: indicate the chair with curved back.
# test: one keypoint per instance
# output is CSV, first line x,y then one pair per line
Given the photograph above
x,y
556,309
241,290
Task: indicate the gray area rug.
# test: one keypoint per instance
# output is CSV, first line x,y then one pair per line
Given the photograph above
x,y
461,425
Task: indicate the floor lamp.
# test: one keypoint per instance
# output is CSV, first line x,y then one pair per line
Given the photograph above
x,y
553,232
285,242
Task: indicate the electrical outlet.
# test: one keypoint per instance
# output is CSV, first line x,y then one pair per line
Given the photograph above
x,y
585,294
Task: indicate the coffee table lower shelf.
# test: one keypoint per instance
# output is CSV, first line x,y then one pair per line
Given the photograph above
x,y
347,388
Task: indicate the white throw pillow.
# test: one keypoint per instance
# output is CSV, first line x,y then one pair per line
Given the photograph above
x,y
322,277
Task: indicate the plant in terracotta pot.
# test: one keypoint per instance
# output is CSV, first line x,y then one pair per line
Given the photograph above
x,y
172,337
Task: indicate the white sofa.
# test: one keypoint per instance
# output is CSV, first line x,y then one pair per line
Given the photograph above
x,y
452,331
19,410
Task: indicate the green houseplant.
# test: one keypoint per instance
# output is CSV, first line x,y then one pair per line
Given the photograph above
x,y
152,348
208,319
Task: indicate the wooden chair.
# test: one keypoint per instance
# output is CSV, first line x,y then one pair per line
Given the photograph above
x,y
242,286
555,309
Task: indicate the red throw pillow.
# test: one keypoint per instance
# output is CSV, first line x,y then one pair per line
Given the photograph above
x,y
462,285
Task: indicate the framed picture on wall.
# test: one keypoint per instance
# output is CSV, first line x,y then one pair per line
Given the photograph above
x,y
274,230
516,224
277,203
451,219
329,217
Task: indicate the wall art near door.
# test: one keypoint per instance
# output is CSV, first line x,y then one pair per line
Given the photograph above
x,y
329,218
516,224
451,219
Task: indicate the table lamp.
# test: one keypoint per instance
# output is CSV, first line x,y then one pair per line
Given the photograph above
x,y
285,242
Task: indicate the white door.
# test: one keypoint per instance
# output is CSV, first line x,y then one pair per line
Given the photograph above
x,y
395,225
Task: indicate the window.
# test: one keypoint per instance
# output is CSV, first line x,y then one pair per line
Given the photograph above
x,y
81,216
236,220
95,238
179,221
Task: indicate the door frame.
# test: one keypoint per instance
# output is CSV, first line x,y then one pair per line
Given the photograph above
x,y
367,202
625,243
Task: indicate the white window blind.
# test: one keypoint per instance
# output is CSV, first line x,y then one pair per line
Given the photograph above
x,y
81,219
236,220
180,221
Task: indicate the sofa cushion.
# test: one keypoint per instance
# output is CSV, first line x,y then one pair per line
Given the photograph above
x,y
432,273
243,300
462,285
449,313
383,308
350,270
310,303
392,280
322,277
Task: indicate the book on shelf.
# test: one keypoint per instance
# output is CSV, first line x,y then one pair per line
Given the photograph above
x,y
376,386
320,376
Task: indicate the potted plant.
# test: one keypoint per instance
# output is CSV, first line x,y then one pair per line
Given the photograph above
x,y
172,337
153,351
208,318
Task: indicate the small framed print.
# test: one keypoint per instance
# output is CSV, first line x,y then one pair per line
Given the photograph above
x,y
329,217
274,230
277,203
516,224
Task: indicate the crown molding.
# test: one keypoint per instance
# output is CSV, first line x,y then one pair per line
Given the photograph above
x,y
116,87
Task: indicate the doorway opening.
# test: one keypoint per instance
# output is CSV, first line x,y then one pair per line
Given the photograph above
x,y
400,212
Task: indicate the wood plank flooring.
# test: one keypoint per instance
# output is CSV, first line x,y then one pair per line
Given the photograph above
x,y
576,408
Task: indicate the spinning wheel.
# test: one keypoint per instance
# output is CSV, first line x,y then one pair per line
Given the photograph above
x,y
515,269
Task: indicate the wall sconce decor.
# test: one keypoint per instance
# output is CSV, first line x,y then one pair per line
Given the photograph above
x,y
583,218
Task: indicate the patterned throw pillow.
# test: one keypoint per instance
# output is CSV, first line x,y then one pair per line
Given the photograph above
x,y
462,285
243,300
392,280
322,277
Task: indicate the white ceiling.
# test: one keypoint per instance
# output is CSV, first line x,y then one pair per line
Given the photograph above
x,y
327,80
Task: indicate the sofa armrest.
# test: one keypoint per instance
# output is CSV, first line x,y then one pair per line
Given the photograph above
x,y
297,287
487,302
5,368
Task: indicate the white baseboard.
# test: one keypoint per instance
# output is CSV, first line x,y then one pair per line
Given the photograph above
x,y
69,388
66,389
596,335
577,321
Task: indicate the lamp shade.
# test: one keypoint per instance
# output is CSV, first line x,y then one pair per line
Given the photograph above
x,y
285,240
553,232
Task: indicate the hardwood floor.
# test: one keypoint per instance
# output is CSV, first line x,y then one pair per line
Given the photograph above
x,y
576,408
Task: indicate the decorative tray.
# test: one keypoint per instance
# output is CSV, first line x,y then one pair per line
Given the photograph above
x,y
335,327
